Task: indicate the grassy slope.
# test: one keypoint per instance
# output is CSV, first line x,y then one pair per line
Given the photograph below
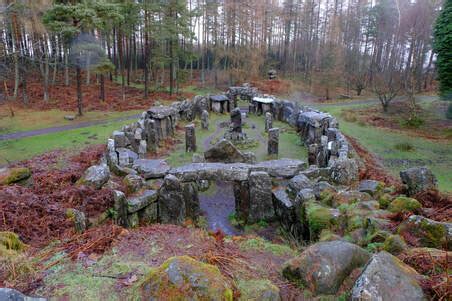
x,y
25,120
434,154
21,149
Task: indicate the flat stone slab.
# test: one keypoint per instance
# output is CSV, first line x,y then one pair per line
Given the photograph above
x,y
219,98
140,202
313,118
161,112
285,168
151,169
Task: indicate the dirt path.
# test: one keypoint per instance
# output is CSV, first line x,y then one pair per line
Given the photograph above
x,y
56,129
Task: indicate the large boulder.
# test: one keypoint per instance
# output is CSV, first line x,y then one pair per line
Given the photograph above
x,y
9,294
184,278
13,175
427,232
324,266
418,179
224,151
96,176
387,278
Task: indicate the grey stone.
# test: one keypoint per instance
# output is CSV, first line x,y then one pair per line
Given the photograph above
x,y
387,278
79,219
344,171
322,186
371,187
133,220
324,266
268,121
120,206
151,168
9,294
273,141
126,157
205,120
418,179
298,183
149,214
198,158
120,139
96,176
249,157
172,207
137,203
224,151
281,168
236,121
133,183
261,205
190,138
191,200
142,148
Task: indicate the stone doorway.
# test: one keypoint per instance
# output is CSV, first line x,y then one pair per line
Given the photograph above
x,y
217,204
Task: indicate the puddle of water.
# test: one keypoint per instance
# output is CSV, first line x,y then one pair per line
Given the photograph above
x,y
218,204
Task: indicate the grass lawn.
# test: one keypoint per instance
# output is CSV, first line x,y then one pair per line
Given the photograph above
x,y
290,145
25,120
25,148
386,144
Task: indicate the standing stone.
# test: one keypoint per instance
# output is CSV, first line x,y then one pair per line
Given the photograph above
x,y
142,149
242,199
120,206
171,204
151,135
205,120
191,199
268,121
236,120
190,138
261,200
273,141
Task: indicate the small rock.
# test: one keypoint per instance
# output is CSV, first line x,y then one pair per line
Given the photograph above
x,y
69,117
13,175
387,278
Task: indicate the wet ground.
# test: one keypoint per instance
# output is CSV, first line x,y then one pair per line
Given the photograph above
x,y
217,205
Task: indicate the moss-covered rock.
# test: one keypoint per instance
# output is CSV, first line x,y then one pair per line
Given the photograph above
x,y
394,244
257,290
427,232
318,218
404,204
350,197
182,278
13,175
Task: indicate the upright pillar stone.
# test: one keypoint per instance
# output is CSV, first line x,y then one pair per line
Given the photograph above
x,y
273,141
190,138
236,120
268,121
261,202
205,120
171,204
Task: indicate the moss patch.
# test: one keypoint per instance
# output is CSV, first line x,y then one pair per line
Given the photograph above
x,y
404,204
257,289
260,244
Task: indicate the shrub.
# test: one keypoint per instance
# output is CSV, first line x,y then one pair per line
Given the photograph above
x,y
413,122
349,116
404,147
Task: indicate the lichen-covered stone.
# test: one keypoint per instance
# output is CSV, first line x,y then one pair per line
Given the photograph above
x,y
133,183
151,168
429,233
261,203
13,175
387,278
344,171
224,151
172,208
323,266
78,218
404,204
298,183
137,203
258,290
418,179
96,176
183,278
372,187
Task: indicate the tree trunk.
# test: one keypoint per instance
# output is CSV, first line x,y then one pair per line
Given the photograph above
x,y
79,90
102,87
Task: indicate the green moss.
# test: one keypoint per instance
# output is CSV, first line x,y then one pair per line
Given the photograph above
x,y
257,289
261,244
328,235
375,247
14,175
384,200
394,244
404,204
318,218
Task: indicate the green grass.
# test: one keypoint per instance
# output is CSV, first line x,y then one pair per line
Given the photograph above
x,y
436,155
25,148
290,145
26,120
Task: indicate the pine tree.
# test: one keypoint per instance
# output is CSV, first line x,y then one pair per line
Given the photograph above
x,y
443,47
